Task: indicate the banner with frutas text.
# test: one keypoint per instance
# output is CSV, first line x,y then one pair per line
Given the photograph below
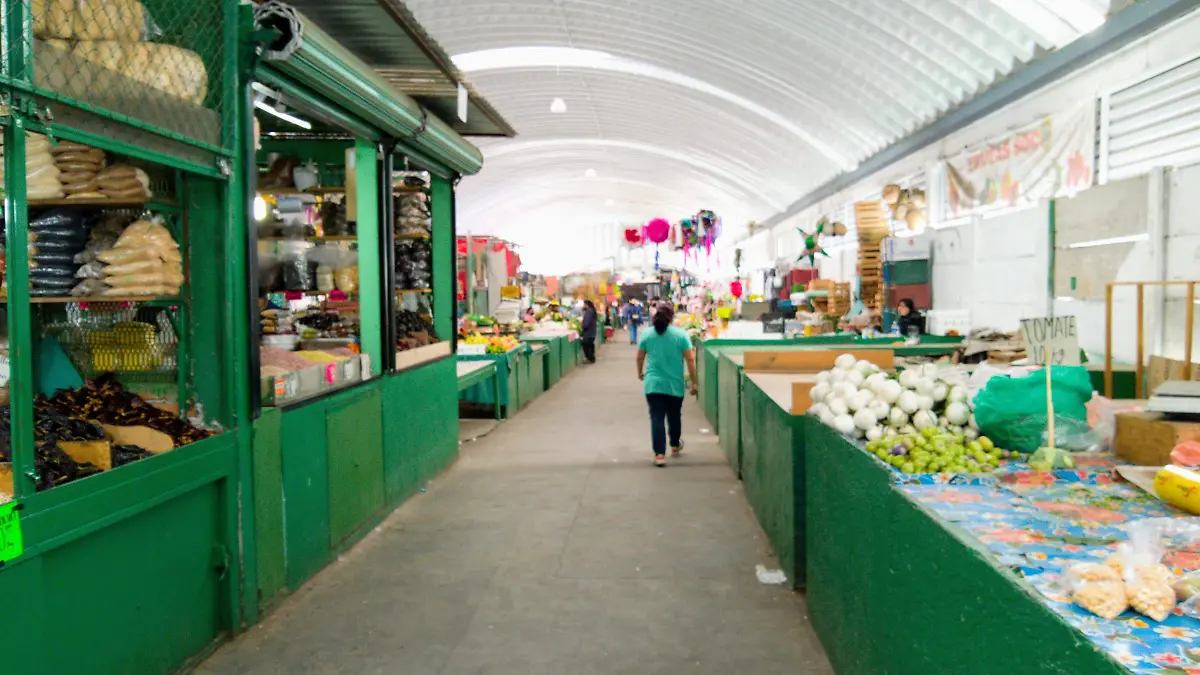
x,y
1053,157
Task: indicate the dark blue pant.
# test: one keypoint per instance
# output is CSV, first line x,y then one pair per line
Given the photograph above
x,y
665,416
633,333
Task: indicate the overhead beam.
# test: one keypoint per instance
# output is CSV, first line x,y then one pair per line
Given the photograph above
x,y
1120,30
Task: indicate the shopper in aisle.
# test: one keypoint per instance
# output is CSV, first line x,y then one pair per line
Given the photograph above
x,y
911,322
633,317
587,330
662,353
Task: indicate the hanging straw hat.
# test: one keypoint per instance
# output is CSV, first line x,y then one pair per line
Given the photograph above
x,y
891,193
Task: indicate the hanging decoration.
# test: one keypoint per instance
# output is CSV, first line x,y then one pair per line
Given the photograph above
x,y
735,289
687,237
907,206
737,260
633,236
657,231
708,227
812,242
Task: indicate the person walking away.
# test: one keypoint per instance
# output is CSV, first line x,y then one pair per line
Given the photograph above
x,y
662,353
587,330
633,317
910,322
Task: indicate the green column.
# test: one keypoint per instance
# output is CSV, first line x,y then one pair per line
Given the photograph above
x,y
442,208
370,276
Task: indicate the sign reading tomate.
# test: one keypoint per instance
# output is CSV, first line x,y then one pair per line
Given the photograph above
x,y
1049,158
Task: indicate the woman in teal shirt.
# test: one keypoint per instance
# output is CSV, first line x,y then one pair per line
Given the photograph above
x,y
661,356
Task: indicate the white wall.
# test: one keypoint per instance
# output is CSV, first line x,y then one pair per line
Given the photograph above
x,y
995,268
1182,257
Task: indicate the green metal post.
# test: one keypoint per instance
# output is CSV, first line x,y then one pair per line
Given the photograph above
x,y
370,277
441,196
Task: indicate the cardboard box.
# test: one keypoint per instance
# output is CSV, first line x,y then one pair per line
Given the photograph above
x,y
896,249
1147,438
1162,369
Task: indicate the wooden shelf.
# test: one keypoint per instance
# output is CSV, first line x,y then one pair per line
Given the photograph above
x,y
404,189
413,237
104,203
414,290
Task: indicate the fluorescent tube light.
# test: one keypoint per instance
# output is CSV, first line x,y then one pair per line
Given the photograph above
x,y
282,115
1111,240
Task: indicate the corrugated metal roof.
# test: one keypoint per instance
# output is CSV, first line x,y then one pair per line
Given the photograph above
x,y
740,107
386,35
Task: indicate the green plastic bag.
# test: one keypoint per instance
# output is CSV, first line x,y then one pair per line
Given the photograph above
x,y
1012,411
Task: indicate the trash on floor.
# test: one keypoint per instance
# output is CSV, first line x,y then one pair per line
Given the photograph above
x,y
772,577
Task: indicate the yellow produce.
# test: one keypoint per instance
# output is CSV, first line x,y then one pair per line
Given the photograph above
x,y
1179,487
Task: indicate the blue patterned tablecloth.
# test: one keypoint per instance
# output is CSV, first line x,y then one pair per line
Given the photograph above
x,y
1040,523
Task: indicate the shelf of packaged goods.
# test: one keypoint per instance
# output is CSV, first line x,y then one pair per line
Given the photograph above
x,y
101,299
332,237
293,192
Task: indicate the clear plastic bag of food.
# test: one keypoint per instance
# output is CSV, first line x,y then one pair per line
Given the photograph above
x,y
92,270
89,287
1150,585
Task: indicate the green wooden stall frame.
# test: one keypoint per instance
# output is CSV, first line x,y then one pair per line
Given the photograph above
x,y
538,354
483,373
878,562
510,371
554,357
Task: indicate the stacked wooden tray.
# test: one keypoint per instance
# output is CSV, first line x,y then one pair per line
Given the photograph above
x,y
872,227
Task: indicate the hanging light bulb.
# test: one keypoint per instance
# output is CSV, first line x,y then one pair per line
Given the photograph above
x,y
260,208
558,106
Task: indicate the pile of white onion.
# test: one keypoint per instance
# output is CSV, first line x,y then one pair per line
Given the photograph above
x,y
861,401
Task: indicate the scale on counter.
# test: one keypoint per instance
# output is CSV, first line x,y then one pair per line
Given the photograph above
x,y
1176,397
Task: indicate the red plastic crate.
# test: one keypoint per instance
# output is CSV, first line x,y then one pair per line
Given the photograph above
x,y
920,294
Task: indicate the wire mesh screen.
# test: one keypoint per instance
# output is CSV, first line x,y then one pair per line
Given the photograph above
x,y
157,64
114,337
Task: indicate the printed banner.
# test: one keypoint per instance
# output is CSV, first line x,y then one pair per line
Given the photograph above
x,y
1052,157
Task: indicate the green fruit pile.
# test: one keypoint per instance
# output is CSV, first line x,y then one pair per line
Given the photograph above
x,y
933,450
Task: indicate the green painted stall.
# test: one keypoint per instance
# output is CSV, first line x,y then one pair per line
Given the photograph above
x,y
512,373
536,361
555,345
772,467
879,562
729,405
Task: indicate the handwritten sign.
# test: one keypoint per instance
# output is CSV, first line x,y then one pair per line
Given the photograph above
x,y
12,545
472,350
1053,340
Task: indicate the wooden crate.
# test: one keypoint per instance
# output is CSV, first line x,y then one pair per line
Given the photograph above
x,y
1147,438
872,227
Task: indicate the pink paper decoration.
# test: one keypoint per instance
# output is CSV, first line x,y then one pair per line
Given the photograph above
x,y
658,230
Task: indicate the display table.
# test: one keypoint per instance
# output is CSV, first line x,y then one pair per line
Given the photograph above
x,y
979,559
536,363
471,373
729,407
506,390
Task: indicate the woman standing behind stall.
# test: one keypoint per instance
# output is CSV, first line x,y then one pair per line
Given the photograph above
x,y
662,353
910,322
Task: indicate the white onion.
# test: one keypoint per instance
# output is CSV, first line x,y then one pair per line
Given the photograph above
x,y
897,417
924,387
823,377
972,423
844,361
844,424
890,391
866,367
957,413
827,418
838,406
818,409
929,371
909,378
923,420
970,434
874,433
943,422
880,408
940,391
819,392
837,376
907,401
865,419
854,377
907,429
925,402
957,393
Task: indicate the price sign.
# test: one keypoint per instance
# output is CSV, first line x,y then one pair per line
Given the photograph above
x,y
510,292
280,387
1053,340
472,350
11,543
331,373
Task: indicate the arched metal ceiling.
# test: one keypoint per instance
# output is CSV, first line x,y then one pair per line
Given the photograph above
x,y
740,106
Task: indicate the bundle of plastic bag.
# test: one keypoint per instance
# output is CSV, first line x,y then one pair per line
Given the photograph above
x,y
145,261
1012,411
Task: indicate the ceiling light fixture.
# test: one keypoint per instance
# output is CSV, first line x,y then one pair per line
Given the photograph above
x,y
558,106
261,105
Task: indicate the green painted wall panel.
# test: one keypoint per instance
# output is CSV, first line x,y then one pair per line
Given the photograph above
x,y
355,442
420,414
879,563
773,476
139,597
268,505
370,276
537,374
729,405
306,492
442,205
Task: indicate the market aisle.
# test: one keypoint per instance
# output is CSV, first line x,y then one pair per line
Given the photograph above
x,y
553,546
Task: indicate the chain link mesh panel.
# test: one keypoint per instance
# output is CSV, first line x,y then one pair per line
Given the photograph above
x,y
158,64
116,337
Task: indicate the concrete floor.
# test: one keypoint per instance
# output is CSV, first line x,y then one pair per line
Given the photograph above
x,y
553,546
